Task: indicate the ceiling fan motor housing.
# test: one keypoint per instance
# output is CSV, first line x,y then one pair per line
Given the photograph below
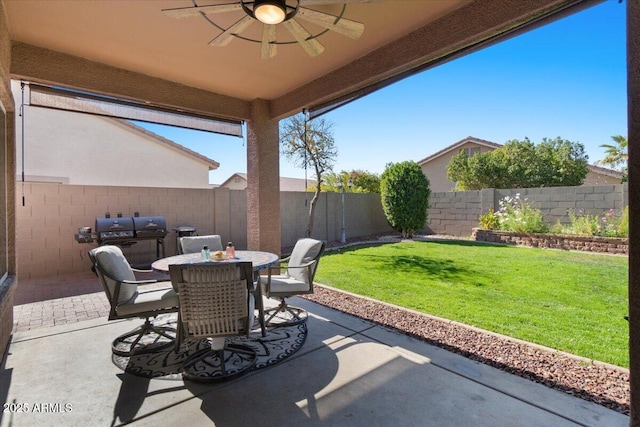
x,y
270,11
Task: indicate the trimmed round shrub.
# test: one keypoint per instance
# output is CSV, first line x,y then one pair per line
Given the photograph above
x,y
405,192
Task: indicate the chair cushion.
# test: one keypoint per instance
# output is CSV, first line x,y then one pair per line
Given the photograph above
x,y
147,301
194,244
304,251
113,262
283,286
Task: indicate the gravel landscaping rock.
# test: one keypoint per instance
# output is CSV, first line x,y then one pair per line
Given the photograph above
x,y
594,381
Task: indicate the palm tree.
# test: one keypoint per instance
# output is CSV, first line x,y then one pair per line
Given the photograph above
x,y
616,155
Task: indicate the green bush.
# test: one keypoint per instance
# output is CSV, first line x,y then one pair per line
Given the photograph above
x,y
404,191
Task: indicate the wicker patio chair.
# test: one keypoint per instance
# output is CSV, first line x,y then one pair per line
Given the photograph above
x,y
216,301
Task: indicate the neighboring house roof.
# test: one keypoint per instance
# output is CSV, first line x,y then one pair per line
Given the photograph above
x,y
167,143
458,144
286,184
493,146
605,171
242,176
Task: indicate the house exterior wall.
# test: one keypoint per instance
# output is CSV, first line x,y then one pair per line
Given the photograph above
x,y
236,183
53,213
436,169
239,182
594,178
82,149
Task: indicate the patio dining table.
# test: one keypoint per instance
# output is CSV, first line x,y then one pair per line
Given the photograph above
x,y
259,260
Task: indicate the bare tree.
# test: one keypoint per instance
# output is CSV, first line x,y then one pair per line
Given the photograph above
x,y
309,143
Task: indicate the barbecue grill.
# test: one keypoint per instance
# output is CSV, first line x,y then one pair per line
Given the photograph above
x,y
126,231
149,227
114,230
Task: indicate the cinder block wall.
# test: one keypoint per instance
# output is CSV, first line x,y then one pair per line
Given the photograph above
x,y
363,216
456,213
53,213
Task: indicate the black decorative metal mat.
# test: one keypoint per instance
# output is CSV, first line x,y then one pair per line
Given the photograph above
x,y
278,344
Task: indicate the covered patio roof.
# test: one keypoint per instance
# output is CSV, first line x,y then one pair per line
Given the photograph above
x,y
136,52
133,50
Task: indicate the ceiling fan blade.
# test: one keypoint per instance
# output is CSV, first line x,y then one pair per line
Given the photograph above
x,y
302,36
269,48
315,2
185,12
347,27
225,37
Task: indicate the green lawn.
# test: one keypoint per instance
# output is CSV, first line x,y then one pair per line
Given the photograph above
x,y
574,302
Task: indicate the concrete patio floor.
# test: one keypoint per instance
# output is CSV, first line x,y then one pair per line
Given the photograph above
x,y
349,372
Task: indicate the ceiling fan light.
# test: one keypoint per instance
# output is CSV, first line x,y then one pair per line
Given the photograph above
x,y
269,11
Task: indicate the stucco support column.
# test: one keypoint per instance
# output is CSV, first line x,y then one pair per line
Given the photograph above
x,y
633,99
263,180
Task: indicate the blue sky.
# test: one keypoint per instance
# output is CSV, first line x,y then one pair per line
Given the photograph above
x,y
565,79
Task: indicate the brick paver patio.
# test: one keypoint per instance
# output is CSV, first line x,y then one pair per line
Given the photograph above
x,y
61,300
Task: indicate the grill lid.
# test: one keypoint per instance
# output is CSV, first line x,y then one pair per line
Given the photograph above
x,y
114,228
150,226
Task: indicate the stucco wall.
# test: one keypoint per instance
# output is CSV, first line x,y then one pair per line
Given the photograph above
x,y
436,172
436,169
593,178
237,183
53,213
83,149
456,213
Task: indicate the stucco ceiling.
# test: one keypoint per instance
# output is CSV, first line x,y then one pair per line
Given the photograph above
x,y
136,36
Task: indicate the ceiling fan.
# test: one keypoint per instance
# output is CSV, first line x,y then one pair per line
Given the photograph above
x,y
273,12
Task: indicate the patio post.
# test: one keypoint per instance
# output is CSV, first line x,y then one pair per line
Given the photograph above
x,y
263,180
633,99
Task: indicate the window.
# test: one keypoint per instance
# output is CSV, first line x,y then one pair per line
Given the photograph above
x,y
472,151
